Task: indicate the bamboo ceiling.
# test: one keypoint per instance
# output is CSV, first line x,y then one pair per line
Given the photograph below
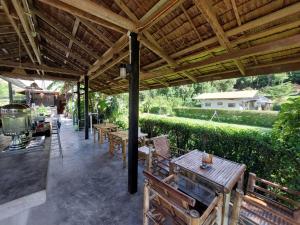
x,y
182,41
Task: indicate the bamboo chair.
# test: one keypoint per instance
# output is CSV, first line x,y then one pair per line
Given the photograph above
x,y
165,204
261,205
163,154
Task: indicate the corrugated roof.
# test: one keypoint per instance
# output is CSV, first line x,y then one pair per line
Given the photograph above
x,y
228,95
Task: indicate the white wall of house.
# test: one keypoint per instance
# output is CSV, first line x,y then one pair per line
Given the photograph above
x,y
224,104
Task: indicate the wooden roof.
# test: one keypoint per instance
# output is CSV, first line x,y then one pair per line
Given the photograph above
x,y
182,41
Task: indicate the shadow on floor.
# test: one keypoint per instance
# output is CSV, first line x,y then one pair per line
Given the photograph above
x,y
87,186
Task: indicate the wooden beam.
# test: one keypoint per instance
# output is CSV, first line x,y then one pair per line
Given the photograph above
x,y
206,9
100,11
149,41
157,12
29,66
110,65
37,76
15,26
96,32
21,15
63,31
117,47
74,31
236,12
261,21
273,46
157,50
58,45
77,12
63,59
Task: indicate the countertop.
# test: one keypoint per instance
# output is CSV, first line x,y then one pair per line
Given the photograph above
x,y
23,174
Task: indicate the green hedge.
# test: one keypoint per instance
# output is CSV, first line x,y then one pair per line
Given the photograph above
x,y
246,117
251,146
159,110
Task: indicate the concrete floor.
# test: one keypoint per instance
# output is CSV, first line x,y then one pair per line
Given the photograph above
x,y
87,186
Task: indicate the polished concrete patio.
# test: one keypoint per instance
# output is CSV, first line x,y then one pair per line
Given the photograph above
x,y
87,186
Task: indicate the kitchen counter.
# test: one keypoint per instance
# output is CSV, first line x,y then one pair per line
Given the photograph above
x,y
23,180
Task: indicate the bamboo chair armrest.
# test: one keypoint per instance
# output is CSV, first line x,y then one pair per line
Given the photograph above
x,y
161,156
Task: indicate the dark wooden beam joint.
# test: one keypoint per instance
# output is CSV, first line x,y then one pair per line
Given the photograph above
x,y
133,114
86,107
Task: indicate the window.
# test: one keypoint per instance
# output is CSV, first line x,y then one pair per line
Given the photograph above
x,y
208,104
231,105
220,103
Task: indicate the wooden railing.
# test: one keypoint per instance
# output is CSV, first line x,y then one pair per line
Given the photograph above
x,y
273,192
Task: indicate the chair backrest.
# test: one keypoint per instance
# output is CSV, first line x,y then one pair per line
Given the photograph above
x,y
169,193
162,145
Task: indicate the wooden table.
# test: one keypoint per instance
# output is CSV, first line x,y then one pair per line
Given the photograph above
x,y
121,137
222,176
102,129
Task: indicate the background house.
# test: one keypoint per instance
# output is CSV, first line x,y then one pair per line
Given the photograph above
x,y
245,100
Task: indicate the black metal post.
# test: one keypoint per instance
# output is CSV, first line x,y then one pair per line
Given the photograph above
x,y
10,93
78,104
133,114
86,107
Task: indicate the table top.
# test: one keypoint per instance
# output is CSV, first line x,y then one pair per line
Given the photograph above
x,y
123,134
223,174
105,125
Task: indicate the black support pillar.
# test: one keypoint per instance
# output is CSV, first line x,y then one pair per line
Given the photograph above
x,y
78,104
10,92
86,107
133,114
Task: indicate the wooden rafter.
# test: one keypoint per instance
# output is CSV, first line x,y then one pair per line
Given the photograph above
x,y
98,10
96,32
74,31
63,48
64,32
20,12
83,15
110,65
13,23
148,40
206,9
62,58
287,11
273,46
30,66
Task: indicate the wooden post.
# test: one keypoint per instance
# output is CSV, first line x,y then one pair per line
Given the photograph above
x,y
226,202
78,104
10,93
133,113
251,182
146,203
86,107
236,207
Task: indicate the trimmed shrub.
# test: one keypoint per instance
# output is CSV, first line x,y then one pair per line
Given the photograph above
x,y
159,110
245,117
249,145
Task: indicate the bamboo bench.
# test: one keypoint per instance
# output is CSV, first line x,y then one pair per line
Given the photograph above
x,y
165,204
262,206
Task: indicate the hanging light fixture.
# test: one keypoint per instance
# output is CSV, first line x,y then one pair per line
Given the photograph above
x,y
124,70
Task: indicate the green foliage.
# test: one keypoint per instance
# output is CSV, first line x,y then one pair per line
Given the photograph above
x,y
246,117
251,146
279,91
286,135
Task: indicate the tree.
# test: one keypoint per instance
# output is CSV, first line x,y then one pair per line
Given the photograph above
x,y
294,77
286,138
